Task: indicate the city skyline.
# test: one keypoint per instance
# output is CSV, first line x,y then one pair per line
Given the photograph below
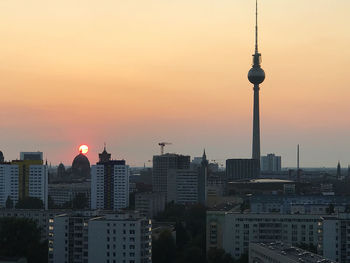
x,y
135,74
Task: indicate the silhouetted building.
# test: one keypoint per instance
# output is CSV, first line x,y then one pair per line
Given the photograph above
x,y
270,163
2,159
81,166
338,171
31,156
161,165
242,169
61,170
256,76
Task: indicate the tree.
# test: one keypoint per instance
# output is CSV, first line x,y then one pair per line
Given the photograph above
x,y
20,237
218,255
9,203
164,248
330,209
80,201
30,203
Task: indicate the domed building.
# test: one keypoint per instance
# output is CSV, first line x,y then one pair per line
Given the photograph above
x,y
81,166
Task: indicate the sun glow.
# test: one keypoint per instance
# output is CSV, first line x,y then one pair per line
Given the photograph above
x,y
83,149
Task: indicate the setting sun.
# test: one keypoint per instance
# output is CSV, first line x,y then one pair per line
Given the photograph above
x,y
83,149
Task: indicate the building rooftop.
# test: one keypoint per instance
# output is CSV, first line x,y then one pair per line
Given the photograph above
x,y
293,253
264,181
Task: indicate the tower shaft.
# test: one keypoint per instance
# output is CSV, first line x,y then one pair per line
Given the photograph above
x,y
256,124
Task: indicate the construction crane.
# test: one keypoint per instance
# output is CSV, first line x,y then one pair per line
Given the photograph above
x,y
162,144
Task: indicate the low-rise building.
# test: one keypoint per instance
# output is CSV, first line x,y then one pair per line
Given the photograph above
x,y
233,231
63,193
278,252
149,204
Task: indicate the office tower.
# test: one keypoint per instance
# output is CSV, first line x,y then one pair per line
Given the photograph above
x,y
109,183
256,76
96,237
270,163
182,186
24,178
161,165
242,169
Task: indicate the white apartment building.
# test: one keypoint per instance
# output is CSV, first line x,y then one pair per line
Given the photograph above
x,y
183,186
270,163
111,238
35,186
8,183
38,183
120,238
335,238
110,185
233,231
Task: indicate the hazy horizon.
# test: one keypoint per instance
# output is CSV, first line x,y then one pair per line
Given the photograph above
x,y
136,73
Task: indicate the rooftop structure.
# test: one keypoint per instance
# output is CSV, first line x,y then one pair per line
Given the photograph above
x,y
279,252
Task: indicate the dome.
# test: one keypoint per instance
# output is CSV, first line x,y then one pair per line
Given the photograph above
x,y
81,166
256,75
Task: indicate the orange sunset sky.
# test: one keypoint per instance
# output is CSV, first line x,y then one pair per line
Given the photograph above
x,y
133,73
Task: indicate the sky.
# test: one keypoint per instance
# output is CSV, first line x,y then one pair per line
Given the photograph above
x,y
133,73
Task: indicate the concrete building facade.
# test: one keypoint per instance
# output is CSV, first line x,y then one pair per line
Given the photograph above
x,y
270,163
161,165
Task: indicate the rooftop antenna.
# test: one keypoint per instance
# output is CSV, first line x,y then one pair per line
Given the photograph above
x,y
256,26
298,158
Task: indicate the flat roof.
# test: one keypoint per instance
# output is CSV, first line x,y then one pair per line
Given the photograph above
x,y
293,253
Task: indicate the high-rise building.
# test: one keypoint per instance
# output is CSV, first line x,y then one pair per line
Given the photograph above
x,y
162,164
109,183
182,186
242,169
24,178
270,163
84,237
188,186
256,76
8,184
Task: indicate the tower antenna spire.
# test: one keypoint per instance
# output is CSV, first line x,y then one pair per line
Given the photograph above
x,y
256,26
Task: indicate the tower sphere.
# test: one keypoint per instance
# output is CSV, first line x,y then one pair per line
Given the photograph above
x,y
256,75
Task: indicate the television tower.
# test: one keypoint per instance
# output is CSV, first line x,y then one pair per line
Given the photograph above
x,y
256,76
